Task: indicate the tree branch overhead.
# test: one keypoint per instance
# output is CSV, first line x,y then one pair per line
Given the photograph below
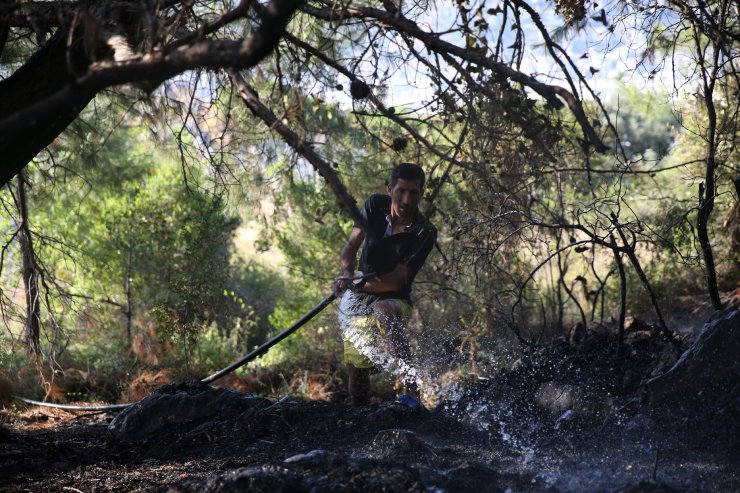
x,y
34,109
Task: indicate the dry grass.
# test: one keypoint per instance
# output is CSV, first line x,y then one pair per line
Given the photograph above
x,y
251,384
319,385
146,382
146,346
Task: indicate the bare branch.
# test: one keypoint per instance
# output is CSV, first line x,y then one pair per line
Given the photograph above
x,y
434,42
251,99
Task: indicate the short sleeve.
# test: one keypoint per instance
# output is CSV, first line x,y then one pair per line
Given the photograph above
x,y
366,211
374,211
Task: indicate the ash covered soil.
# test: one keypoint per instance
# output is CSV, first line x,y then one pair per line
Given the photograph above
x,y
570,417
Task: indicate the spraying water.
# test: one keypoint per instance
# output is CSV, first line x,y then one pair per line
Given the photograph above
x,y
358,325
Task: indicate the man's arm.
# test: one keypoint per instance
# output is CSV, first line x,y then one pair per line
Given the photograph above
x,y
405,271
392,281
348,258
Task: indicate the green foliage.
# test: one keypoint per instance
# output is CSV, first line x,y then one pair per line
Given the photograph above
x,y
645,120
213,351
173,242
119,214
514,213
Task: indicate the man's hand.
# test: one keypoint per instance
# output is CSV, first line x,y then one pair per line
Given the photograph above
x,y
341,284
352,282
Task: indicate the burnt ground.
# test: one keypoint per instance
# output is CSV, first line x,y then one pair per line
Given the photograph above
x,y
570,417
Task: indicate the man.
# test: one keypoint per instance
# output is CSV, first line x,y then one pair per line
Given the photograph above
x,y
403,240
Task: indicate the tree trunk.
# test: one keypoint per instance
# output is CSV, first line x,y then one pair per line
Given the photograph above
x,y
706,204
30,273
629,250
622,294
129,294
708,189
46,73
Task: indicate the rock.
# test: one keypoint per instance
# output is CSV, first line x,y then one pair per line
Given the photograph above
x,y
178,405
400,443
556,397
712,358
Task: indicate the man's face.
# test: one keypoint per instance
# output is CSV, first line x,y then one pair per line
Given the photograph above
x,y
405,197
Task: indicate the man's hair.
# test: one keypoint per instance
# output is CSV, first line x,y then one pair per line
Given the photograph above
x,y
407,171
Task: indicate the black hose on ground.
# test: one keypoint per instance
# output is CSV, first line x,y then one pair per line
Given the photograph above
x,y
219,374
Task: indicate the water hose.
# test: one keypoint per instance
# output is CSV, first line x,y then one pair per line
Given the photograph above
x,y
70,407
267,345
262,349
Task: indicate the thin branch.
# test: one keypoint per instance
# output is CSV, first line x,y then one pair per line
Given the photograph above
x,y
251,99
435,43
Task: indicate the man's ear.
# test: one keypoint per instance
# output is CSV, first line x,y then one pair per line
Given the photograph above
x,y
390,189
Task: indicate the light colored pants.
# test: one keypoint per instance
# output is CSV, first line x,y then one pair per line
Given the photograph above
x,y
364,337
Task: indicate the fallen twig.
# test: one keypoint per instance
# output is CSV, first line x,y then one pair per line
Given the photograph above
x,y
655,464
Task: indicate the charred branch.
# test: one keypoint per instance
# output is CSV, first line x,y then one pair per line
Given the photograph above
x,y
554,95
30,274
26,129
251,99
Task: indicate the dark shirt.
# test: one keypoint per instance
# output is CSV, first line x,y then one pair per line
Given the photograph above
x,y
409,247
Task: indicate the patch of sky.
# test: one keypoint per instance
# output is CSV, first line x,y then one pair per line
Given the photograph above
x,y
608,49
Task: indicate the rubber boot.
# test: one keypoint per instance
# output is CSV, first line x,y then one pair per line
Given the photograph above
x,y
359,385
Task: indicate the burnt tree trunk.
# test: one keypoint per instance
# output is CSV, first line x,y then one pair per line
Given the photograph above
x,y
30,273
129,312
629,250
708,189
622,293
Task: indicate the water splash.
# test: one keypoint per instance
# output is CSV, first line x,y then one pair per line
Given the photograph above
x,y
358,325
